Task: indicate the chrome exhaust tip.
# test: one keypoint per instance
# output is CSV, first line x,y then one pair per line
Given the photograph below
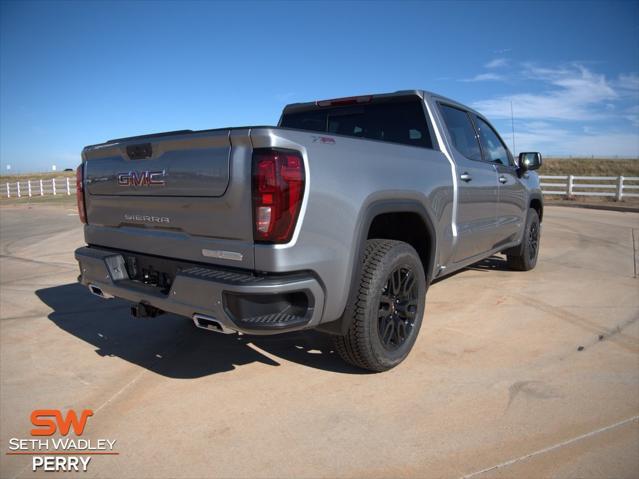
x,y
98,292
203,321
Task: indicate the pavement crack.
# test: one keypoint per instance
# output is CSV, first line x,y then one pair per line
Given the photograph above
x,y
120,391
634,252
36,262
614,336
551,448
618,329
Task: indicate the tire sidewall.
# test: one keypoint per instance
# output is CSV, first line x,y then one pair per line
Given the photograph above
x,y
402,255
533,218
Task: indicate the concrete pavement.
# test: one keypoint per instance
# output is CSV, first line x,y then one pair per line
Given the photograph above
x,y
514,374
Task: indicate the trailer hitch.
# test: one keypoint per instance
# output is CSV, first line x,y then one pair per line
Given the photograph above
x,y
145,310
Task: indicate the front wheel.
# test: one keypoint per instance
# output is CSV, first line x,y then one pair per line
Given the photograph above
x,y
388,308
524,257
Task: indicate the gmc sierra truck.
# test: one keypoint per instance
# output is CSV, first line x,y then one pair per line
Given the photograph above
x,y
338,219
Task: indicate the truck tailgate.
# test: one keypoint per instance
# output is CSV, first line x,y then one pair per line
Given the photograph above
x,y
187,165
172,195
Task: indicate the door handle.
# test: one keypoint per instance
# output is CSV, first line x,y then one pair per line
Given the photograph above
x,y
465,177
502,179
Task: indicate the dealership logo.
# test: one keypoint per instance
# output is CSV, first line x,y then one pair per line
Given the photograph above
x,y
60,453
45,426
142,178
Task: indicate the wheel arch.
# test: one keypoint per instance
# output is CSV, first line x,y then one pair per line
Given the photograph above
x,y
391,212
537,204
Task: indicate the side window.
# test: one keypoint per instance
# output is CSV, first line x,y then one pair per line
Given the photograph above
x,y
494,149
462,132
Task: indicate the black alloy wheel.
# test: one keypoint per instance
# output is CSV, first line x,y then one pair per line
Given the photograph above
x,y
397,308
524,256
387,307
533,240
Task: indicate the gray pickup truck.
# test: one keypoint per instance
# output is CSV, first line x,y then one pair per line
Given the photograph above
x,y
338,219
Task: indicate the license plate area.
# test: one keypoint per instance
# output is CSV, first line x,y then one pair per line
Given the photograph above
x,y
151,271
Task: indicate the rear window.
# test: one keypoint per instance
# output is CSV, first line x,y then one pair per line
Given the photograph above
x,y
396,122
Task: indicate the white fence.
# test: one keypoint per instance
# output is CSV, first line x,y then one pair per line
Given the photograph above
x,y
570,186
40,187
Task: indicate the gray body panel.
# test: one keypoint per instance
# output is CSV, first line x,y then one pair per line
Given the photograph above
x,y
513,199
193,164
346,179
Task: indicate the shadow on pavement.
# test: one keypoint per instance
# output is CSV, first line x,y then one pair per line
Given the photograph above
x,y
171,345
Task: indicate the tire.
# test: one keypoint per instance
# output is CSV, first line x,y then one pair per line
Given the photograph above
x,y
524,257
387,309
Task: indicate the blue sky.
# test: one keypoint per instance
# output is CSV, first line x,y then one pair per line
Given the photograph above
x,y
76,73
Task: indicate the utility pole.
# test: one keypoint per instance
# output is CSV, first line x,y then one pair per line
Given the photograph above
x,y
512,124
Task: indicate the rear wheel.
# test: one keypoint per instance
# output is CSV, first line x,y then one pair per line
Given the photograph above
x,y
387,311
524,257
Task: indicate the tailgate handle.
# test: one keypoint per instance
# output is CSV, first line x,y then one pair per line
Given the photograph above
x,y
139,152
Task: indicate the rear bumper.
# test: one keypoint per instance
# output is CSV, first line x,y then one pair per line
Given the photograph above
x,y
240,301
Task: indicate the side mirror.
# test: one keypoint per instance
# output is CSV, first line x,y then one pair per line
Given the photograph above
x,y
529,161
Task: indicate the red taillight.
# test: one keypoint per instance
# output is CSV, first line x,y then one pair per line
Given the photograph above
x,y
278,188
79,192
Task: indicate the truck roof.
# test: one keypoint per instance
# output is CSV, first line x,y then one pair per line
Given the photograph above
x,y
311,105
304,106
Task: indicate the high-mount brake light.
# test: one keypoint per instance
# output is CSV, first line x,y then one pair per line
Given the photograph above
x,y
79,192
278,189
351,100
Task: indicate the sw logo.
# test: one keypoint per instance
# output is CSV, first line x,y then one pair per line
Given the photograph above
x,y
60,453
45,426
142,178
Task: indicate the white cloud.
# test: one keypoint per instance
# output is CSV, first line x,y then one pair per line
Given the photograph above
x,y
538,124
632,115
573,111
572,94
484,77
496,63
630,82
552,139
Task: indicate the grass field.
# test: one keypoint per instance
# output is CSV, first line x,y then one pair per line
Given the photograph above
x,y
589,167
63,200
36,176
